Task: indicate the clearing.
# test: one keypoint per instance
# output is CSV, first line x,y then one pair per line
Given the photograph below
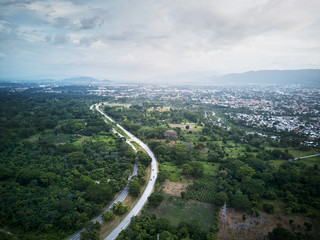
x,y
192,126
179,210
173,188
257,227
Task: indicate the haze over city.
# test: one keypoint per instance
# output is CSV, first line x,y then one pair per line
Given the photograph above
x,y
143,39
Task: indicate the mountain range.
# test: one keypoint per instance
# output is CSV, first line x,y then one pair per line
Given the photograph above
x,y
304,77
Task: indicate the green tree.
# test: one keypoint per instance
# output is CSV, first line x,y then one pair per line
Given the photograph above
x,y
155,199
108,216
244,172
134,188
119,208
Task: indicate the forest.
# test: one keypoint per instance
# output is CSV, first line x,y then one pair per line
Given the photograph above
x,y
60,163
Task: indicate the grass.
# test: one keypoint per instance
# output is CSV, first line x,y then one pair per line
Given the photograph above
x,y
117,105
173,170
278,205
311,161
179,210
210,168
159,109
192,126
63,138
276,163
297,153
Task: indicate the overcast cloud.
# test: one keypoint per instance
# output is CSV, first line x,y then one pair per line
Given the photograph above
x,y
123,39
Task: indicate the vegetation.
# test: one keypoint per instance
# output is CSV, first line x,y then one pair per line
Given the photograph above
x,y
52,188
60,164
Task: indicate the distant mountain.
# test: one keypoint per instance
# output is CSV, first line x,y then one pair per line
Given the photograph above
x,y
62,82
306,77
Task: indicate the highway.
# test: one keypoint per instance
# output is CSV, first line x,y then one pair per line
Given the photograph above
x,y
124,193
148,190
309,156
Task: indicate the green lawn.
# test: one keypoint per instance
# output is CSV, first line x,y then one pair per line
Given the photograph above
x,y
179,210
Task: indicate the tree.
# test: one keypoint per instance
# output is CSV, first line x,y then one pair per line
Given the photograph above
x,y
119,208
143,158
244,172
108,216
240,201
308,226
281,234
268,207
134,188
98,193
155,199
220,198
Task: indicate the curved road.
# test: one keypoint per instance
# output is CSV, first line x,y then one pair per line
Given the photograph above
x,y
124,193
148,190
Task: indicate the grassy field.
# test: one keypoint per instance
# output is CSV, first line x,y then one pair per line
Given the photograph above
x,y
159,109
173,170
178,210
117,105
297,153
311,161
192,126
210,168
276,163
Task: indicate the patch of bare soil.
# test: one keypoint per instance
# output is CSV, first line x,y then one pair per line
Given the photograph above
x,y
33,139
233,227
174,188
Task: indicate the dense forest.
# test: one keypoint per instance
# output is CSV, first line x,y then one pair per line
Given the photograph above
x,y
60,163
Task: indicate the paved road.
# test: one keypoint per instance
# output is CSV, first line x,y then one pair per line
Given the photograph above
x,y
148,190
124,193
314,155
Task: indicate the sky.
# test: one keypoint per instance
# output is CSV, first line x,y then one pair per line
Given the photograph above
x,y
136,39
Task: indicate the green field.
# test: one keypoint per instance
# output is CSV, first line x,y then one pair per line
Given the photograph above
x,y
173,170
311,161
179,210
210,168
276,163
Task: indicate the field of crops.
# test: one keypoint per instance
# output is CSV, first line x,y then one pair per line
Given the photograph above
x,y
202,189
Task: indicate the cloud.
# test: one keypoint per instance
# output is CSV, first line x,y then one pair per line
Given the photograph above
x,y
58,39
90,23
162,37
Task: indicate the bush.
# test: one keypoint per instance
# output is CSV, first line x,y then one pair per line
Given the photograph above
x,y
268,207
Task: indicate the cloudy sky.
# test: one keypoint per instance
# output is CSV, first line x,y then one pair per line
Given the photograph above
x,y
128,39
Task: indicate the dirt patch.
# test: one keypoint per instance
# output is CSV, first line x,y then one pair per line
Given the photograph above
x,y
174,188
33,139
233,227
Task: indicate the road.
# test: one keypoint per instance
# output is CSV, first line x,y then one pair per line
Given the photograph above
x,y
124,193
148,190
309,156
